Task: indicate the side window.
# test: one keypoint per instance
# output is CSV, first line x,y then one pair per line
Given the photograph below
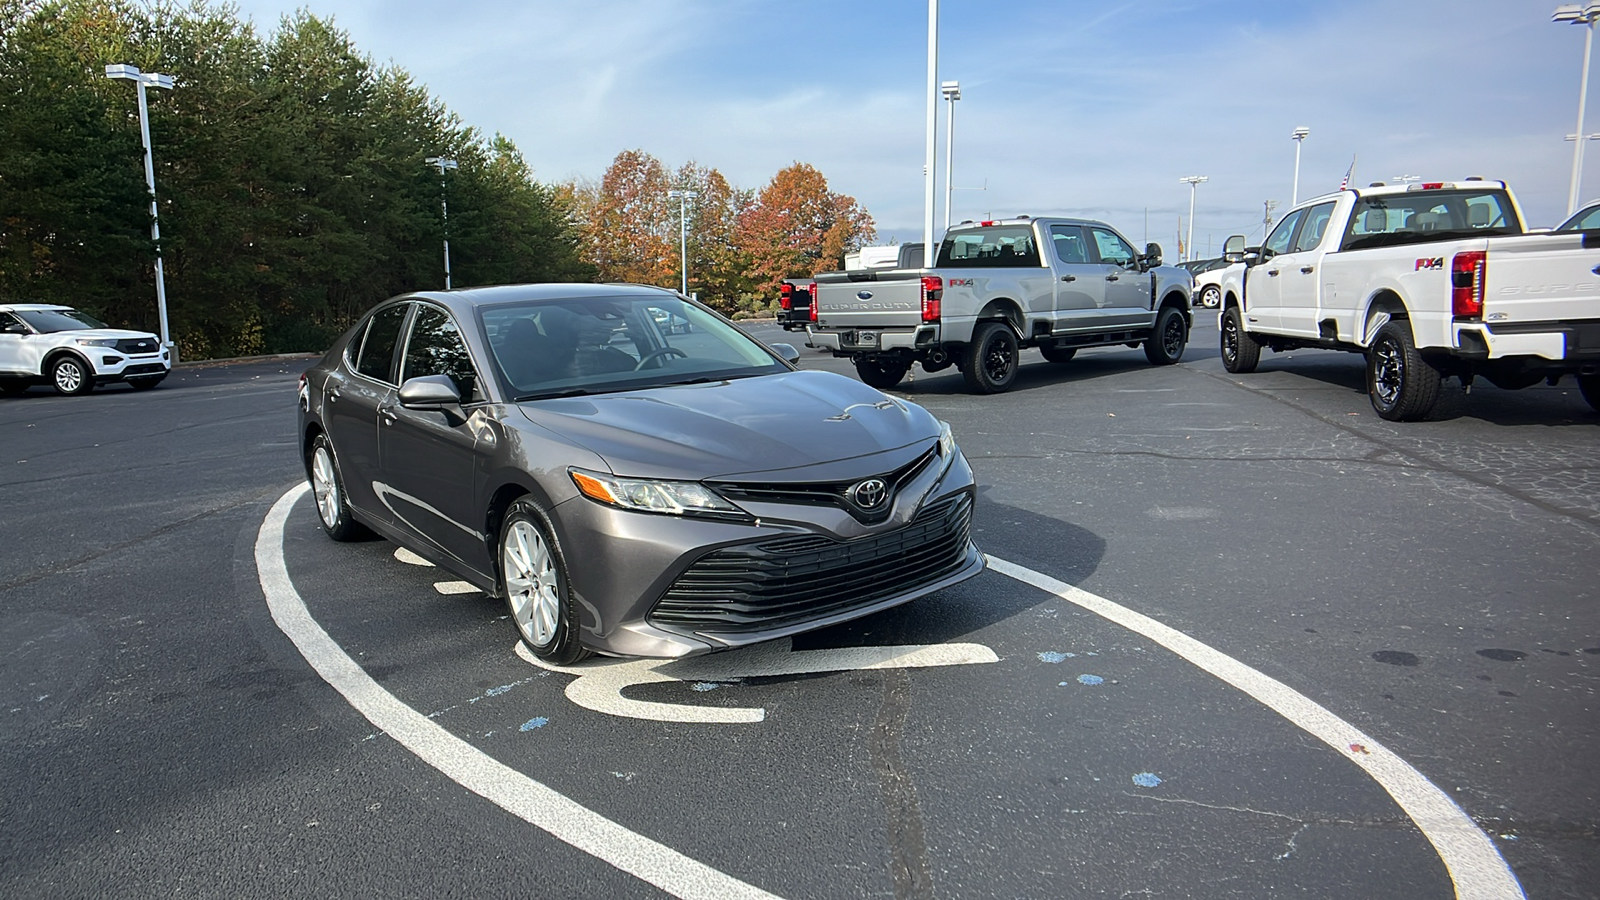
x,y
1279,241
1069,244
436,348
1112,249
1316,225
1592,220
377,349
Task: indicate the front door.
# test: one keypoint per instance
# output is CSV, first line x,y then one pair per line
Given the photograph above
x,y
13,350
1127,288
1263,295
1298,275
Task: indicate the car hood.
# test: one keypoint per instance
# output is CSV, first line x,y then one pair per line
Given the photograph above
x,y
792,420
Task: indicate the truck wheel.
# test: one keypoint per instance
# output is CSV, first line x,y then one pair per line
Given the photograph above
x,y
990,364
1166,343
881,373
1589,385
1211,296
1240,352
1402,385
1059,354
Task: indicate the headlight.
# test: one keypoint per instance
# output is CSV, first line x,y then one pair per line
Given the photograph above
x,y
676,498
95,342
947,440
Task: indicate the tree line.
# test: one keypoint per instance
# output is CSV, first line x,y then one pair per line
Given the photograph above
x,y
293,189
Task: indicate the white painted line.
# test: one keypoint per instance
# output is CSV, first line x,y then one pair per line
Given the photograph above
x,y
454,587
1476,867
529,800
600,681
409,558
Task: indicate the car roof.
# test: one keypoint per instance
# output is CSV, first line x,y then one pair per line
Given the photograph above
x,y
26,307
512,293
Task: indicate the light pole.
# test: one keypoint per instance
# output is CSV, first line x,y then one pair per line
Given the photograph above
x,y
952,93
1299,136
143,80
683,198
1192,181
928,254
1585,15
443,163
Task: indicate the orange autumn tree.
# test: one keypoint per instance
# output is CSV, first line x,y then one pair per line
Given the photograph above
x,y
798,227
629,230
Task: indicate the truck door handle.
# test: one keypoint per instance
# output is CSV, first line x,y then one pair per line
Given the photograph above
x,y
1075,278
1305,270
1111,278
1272,272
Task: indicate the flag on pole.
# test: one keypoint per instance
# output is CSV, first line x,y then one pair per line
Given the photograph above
x,y
1349,173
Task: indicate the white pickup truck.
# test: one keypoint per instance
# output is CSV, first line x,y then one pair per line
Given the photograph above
x,y
996,288
1429,281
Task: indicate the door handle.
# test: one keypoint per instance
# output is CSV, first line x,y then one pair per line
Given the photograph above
x,y
1111,278
1075,278
333,393
1272,272
386,412
1305,270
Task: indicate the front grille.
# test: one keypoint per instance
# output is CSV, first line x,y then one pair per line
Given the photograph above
x,y
145,369
787,581
137,346
827,493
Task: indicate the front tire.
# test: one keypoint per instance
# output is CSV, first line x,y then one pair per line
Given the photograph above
x,y
71,376
1211,296
1589,386
1167,341
1402,385
881,373
1240,352
533,577
327,487
990,363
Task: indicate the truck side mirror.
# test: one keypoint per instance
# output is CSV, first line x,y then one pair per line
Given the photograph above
x,y
1233,248
1152,255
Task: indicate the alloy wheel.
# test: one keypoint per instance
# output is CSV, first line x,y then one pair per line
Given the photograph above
x,y
531,583
1388,372
325,485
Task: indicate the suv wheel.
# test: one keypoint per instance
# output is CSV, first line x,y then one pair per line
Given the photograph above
x,y
1240,352
1402,385
1167,341
71,376
990,363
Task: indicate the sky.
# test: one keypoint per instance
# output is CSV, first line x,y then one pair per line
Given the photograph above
x,y
1067,108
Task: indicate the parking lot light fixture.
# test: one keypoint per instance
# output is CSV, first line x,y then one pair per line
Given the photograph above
x,y
1192,181
444,164
683,198
952,93
1579,14
142,80
1299,136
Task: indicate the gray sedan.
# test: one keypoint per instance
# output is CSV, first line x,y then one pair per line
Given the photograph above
x,y
627,487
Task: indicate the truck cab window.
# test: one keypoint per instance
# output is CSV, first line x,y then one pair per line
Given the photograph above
x,y
1316,225
1280,240
1069,244
1113,250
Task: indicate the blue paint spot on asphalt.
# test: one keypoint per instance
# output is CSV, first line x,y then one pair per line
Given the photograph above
x,y
535,722
1091,679
1051,656
497,691
1146,779
703,686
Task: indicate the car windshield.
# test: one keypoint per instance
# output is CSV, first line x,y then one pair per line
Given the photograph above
x,y
593,345
46,321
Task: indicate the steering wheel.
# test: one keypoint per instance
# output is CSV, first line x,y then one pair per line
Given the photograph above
x,y
661,353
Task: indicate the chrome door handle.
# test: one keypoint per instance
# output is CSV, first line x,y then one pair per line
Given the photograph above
x,y
1305,270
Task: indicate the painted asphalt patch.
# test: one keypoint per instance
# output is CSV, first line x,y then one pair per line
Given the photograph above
x,y
1475,866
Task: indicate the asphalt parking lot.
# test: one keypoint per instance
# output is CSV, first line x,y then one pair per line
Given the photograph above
x,y
172,723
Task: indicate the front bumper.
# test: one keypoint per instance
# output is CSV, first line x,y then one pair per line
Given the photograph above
x,y
111,365
668,586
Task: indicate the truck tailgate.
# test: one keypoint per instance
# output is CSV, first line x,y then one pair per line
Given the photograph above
x,y
870,299
1542,278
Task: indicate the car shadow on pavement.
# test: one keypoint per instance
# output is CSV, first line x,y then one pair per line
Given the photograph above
x,y
1033,373
1042,543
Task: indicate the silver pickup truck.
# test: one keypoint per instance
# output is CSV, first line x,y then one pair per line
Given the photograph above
x,y
998,288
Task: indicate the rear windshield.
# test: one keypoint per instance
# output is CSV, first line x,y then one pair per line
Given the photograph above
x,y
1003,246
1419,216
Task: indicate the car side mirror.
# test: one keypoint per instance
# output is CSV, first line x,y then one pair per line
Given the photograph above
x,y
15,328
788,352
437,392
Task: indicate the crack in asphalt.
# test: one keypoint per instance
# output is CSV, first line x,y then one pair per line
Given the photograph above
x,y
913,880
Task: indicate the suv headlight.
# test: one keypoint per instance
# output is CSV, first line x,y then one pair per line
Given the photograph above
x,y
677,498
95,342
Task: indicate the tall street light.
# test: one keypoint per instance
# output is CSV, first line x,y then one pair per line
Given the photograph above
x,y
928,254
1299,136
1585,15
952,93
143,80
444,163
683,198
1191,181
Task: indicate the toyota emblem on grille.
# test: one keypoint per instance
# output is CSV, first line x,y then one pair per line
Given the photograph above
x,y
870,494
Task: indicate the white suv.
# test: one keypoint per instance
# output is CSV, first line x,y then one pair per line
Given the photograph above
x,y
58,345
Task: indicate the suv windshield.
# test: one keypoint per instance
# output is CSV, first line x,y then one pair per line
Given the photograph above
x,y
46,321
600,344
1416,217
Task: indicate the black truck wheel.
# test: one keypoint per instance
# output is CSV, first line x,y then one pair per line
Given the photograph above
x,y
1167,341
990,363
1402,385
1240,352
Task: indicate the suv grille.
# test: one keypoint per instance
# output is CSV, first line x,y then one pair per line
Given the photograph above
x,y
137,346
827,493
791,580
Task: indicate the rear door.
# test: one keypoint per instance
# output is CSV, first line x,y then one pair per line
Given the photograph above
x,y
1127,289
351,398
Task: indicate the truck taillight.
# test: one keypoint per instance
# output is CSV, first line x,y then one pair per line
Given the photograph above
x,y
786,295
812,287
1468,272
932,295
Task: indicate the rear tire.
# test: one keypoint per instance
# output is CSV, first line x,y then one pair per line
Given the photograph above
x,y
1167,341
990,363
1059,354
1589,386
1240,352
71,376
533,577
881,373
327,488
1402,385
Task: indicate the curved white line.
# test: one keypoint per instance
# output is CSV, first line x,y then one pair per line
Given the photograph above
x,y
1475,865
465,764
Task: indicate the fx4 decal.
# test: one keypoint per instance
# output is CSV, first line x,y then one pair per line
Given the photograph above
x,y
1436,263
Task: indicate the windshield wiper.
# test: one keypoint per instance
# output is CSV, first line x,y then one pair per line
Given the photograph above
x,y
554,395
